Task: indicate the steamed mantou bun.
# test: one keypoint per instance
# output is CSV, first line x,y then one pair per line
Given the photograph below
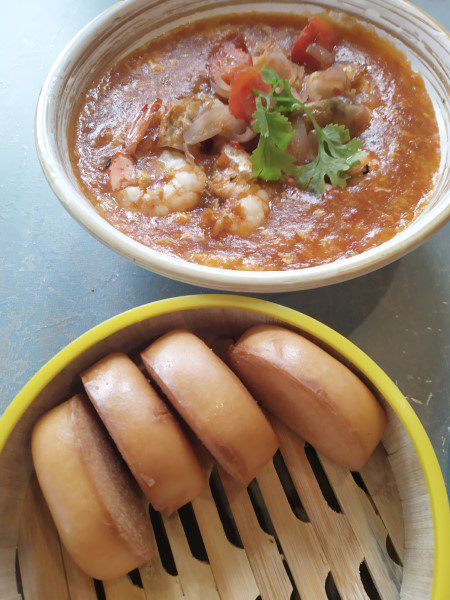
x,y
98,510
311,392
213,402
147,435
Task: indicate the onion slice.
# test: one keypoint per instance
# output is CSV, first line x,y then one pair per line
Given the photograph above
x,y
323,56
313,145
216,119
245,136
221,88
299,145
275,58
332,82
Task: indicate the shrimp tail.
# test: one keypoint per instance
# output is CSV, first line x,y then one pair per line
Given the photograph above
x,y
147,116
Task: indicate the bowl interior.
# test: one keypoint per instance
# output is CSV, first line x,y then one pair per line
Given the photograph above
x,y
127,25
305,525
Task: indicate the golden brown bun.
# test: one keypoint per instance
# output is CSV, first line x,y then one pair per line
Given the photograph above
x,y
213,402
311,392
97,508
145,432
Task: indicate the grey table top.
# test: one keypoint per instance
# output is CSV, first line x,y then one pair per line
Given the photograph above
x,y
56,281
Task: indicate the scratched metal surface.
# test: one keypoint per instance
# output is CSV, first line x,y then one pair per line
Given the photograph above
x,y
56,281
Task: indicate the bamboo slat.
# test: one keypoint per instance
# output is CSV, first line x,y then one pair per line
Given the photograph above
x,y
332,529
230,567
122,588
158,584
418,574
409,476
380,481
8,586
368,528
416,511
196,578
303,553
80,585
261,548
41,563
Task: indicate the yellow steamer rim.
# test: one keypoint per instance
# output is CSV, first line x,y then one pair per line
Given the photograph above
x,y
345,348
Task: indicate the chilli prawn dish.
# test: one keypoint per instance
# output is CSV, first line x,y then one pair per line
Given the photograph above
x,y
259,142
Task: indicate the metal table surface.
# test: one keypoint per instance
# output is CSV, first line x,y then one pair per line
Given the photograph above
x,y
56,281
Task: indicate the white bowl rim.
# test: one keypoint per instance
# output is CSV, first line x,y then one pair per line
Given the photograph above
x,y
202,275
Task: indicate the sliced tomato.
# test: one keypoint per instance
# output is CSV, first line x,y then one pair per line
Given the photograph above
x,y
298,52
228,59
242,103
325,34
317,30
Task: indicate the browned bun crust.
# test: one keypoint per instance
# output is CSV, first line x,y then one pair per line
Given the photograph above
x,y
311,392
99,513
213,402
147,435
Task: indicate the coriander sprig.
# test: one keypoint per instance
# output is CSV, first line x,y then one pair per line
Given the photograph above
x,y
270,159
337,153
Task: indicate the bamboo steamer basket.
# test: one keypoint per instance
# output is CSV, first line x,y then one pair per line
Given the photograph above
x,y
304,528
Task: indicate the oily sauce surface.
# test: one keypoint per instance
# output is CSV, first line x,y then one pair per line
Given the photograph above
x,y
302,229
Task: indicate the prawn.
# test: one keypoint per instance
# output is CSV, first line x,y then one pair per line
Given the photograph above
x,y
334,81
179,187
179,190
122,167
271,56
147,116
246,205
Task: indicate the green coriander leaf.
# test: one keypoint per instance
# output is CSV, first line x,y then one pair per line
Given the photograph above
x,y
336,154
281,96
259,123
270,76
336,134
275,126
309,177
270,162
339,144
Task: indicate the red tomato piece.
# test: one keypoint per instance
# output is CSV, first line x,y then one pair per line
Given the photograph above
x,y
242,103
229,59
298,52
317,30
325,34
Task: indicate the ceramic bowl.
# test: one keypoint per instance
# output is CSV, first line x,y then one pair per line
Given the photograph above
x,y
391,520
128,24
